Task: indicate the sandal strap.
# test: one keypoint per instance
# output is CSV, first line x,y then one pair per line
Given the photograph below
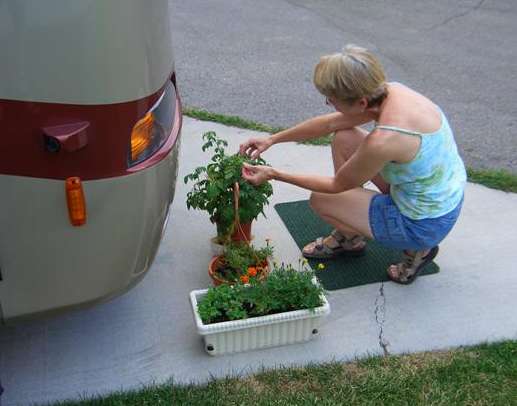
x,y
320,246
412,260
356,239
409,265
408,269
344,241
338,236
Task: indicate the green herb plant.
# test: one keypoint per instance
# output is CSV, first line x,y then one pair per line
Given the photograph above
x,y
212,190
242,261
285,289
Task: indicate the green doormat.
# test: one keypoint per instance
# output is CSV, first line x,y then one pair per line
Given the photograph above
x,y
341,272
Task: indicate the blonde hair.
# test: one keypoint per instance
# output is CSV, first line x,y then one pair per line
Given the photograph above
x,y
350,75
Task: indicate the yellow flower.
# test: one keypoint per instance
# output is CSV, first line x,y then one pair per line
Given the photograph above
x,y
321,266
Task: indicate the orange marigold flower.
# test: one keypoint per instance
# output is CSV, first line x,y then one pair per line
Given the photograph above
x,y
252,271
245,279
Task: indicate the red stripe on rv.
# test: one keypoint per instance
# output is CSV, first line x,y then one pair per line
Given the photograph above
x,y
23,151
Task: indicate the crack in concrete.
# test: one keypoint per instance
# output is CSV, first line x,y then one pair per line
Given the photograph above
x,y
380,318
455,16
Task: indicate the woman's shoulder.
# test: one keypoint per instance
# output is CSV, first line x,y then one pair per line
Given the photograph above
x,y
409,110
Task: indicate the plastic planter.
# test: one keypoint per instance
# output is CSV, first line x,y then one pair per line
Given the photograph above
x,y
258,332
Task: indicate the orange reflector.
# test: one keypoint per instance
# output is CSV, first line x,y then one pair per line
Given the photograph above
x,y
75,200
141,136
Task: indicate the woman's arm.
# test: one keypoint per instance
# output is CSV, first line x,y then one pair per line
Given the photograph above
x,y
312,128
362,166
309,129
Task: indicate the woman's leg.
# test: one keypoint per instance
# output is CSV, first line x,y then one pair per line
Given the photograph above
x,y
344,144
347,212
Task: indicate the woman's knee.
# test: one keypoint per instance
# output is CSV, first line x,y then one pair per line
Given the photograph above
x,y
322,203
348,140
316,201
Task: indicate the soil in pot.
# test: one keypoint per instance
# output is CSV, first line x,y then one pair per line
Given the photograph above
x,y
221,273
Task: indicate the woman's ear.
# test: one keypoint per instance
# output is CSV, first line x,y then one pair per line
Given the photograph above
x,y
363,103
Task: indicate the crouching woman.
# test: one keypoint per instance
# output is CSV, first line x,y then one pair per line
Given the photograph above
x,y
410,155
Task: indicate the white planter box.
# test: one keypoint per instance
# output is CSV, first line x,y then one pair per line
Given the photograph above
x,y
258,332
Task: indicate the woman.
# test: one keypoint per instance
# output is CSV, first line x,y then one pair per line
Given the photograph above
x,y
410,155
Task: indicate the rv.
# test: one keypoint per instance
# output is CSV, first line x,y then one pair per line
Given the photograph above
x,y
90,121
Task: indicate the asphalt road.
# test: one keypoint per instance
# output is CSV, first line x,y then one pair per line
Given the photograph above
x,y
254,59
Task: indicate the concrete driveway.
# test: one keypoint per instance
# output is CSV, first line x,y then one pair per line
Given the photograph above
x,y
148,335
255,59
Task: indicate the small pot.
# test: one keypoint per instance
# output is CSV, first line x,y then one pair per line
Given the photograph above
x,y
215,262
216,247
242,233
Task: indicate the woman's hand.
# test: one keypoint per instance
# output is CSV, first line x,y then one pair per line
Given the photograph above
x,y
257,174
255,146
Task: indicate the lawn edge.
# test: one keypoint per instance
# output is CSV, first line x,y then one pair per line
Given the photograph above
x,y
499,179
424,361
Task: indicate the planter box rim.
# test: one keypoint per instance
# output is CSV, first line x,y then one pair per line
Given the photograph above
x,y
205,329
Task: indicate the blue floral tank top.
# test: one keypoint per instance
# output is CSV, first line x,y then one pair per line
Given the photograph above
x,y
432,184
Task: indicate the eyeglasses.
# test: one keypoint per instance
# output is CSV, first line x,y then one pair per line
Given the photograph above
x,y
328,102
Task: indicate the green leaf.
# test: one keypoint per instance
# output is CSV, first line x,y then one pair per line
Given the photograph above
x,y
212,188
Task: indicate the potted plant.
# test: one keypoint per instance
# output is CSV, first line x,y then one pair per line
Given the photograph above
x,y
285,308
220,190
240,262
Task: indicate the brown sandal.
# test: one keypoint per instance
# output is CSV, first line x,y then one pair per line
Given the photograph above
x,y
354,246
408,270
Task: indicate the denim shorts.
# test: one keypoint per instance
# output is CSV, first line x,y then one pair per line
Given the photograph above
x,y
392,229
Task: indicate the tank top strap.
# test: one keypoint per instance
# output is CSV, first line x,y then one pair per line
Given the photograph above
x,y
397,129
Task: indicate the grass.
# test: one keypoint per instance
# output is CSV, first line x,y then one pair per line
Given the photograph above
x,y
235,121
480,375
493,178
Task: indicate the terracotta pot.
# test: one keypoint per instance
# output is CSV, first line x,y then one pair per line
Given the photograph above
x,y
215,262
242,233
